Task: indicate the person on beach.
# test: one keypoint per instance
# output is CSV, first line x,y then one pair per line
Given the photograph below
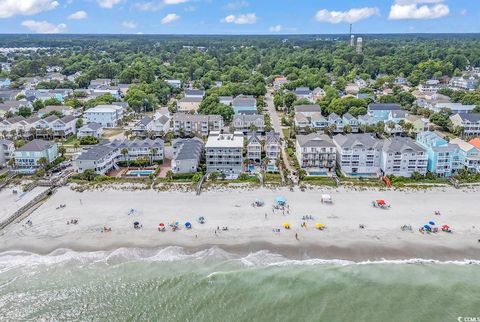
x,y
265,216
296,236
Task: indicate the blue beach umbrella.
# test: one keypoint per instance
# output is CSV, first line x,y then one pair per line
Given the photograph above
x,y
188,225
431,223
136,223
427,227
281,200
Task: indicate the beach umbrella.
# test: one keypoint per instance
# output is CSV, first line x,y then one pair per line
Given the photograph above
x,y
136,223
188,225
381,202
281,200
161,225
286,225
431,223
320,226
177,223
427,227
445,227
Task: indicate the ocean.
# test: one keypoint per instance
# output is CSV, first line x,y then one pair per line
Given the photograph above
x,y
171,284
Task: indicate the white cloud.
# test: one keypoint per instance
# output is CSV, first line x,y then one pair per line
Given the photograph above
x,y
171,17
157,5
175,1
350,16
108,4
235,5
44,27
277,28
129,24
79,15
10,8
418,9
245,19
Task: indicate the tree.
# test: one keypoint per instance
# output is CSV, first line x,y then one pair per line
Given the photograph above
x,y
124,152
33,132
52,101
169,175
42,162
289,99
24,111
62,150
76,145
211,105
38,105
79,123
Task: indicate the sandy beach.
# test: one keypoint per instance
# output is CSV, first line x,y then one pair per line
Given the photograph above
x,y
10,202
251,229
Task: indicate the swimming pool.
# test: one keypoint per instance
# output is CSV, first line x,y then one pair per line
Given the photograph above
x,y
140,173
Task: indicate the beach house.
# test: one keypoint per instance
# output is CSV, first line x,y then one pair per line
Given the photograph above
x,y
351,121
336,123
27,156
469,124
358,155
224,153
254,151
107,115
471,155
244,104
248,123
402,156
187,154
316,154
444,158
7,152
91,129
381,111
273,150
455,108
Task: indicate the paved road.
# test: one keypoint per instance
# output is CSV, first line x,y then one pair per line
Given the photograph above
x,y
278,128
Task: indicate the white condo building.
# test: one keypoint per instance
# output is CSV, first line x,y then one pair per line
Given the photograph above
x,y
224,153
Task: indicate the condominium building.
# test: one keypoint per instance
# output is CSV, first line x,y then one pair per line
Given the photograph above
x,y
444,158
316,154
402,157
224,153
104,157
358,155
196,124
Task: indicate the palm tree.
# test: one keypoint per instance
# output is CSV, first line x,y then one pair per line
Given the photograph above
x,y
50,134
62,150
21,133
347,128
33,132
13,134
44,133
76,145
153,153
43,162
12,163
4,134
128,133
169,175
124,152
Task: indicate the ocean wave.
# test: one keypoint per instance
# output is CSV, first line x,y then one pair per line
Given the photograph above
x,y
264,258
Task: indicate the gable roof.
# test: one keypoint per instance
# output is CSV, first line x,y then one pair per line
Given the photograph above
x,y
307,108
36,146
315,140
384,107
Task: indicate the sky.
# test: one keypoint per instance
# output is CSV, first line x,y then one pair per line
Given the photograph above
x,y
239,16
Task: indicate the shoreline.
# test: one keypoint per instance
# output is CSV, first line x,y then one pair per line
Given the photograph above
x,y
365,252
250,229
